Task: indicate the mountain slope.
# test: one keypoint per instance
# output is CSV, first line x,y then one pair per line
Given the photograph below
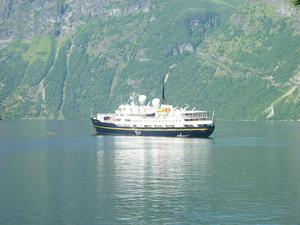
x,y
68,58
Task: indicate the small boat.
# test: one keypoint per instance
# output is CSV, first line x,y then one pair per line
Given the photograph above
x,y
158,118
50,133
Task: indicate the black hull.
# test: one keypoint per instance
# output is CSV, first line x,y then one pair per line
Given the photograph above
x,y
111,129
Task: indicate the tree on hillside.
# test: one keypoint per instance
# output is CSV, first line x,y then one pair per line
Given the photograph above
x,y
296,2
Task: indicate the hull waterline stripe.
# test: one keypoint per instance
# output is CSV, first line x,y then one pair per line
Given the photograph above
x,y
142,129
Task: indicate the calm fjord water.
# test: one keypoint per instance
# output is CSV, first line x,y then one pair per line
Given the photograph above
x,y
248,173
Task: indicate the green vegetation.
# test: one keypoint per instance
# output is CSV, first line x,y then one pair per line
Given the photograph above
x,y
233,57
296,2
38,50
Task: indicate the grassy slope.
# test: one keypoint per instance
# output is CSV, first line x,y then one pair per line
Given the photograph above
x,y
240,63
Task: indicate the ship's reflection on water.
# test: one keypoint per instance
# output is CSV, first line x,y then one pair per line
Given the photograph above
x,y
140,172
137,157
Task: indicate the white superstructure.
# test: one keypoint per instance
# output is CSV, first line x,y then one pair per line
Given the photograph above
x,y
155,115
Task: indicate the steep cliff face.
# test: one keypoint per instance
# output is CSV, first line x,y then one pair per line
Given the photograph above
x,y
28,19
64,59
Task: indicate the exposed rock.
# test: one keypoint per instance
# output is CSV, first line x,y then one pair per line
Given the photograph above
x,y
38,18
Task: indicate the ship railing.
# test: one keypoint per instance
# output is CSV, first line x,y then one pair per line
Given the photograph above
x,y
197,119
197,116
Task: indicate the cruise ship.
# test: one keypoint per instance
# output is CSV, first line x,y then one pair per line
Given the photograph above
x,y
155,118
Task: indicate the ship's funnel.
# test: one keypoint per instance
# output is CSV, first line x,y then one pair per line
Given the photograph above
x,y
164,100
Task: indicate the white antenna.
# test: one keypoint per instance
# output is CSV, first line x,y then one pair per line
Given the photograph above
x,y
166,78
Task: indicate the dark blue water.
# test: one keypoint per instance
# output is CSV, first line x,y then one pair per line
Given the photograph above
x,y
58,172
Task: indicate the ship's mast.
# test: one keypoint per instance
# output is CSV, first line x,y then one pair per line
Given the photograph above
x,y
164,100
